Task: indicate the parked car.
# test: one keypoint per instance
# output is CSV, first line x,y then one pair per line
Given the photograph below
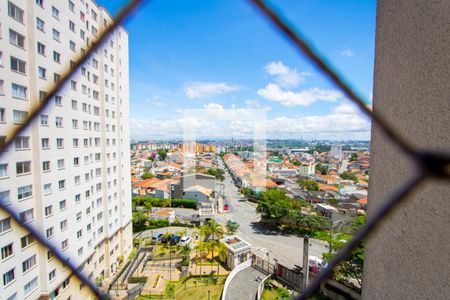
x,y
226,207
166,238
174,239
157,237
316,264
185,240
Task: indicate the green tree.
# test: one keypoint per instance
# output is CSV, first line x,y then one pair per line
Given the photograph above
x,y
139,220
308,184
218,173
274,204
352,266
185,251
347,175
232,227
312,221
162,154
321,169
147,176
283,293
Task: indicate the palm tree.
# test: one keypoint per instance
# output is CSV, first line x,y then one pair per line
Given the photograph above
x,y
222,255
185,250
199,249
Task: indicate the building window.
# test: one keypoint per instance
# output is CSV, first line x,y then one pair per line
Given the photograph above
x,y
42,73
23,167
65,244
19,116
27,216
60,164
77,198
60,143
29,263
49,232
15,12
71,6
19,91
40,3
56,57
8,277
2,86
16,39
46,166
74,124
47,188
30,286
56,77
58,121
62,204
73,85
18,65
27,240
63,225
44,120
7,251
48,210
5,225
55,12
58,100
24,192
72,46
74,104
75,143
4,198
3,170
22,142
62,184
45,143
40,24
72,26
56,35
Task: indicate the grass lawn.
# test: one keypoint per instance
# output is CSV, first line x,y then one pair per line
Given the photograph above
x,y
269,294
193,288
162,250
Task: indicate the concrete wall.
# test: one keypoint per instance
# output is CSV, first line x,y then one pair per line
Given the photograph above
x,y
408,257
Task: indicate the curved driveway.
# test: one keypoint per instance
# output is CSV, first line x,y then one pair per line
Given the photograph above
x,y
244,285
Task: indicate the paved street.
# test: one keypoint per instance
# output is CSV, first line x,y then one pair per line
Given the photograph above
x,y
286,248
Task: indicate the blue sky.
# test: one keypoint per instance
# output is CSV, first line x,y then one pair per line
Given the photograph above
x,y
219,55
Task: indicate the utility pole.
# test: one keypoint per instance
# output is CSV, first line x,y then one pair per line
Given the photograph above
x,y
305,261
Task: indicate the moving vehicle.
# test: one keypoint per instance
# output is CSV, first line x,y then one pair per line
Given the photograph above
x,y
226,207
185,240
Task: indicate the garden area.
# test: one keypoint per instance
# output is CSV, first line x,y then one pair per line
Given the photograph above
x,y
208,287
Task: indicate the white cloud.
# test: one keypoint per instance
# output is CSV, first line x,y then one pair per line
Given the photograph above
x,y
274,92
284,75
255,104
348,53
214,106
343,122
207,89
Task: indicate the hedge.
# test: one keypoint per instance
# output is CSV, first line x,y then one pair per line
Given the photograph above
x,y
141,279
158,202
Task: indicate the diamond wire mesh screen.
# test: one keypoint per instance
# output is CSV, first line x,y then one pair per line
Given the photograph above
x,y
430,165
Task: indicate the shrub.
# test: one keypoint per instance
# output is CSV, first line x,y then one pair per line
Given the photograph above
x,y
185,263
141,279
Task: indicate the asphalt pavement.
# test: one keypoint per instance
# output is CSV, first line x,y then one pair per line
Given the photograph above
x,y
286,248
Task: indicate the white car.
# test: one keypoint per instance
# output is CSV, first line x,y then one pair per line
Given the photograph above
x,y
185,240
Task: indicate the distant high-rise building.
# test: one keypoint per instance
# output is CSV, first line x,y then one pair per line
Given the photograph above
x,y
68,173
336,151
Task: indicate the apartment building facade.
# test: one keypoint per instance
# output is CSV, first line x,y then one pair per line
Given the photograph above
x,y
67,174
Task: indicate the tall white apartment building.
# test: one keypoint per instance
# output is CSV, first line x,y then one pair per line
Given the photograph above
x,y
336,151
68,173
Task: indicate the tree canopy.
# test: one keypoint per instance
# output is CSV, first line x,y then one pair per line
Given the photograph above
x,y
147,176
308,184
347,175
162,154
218,173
